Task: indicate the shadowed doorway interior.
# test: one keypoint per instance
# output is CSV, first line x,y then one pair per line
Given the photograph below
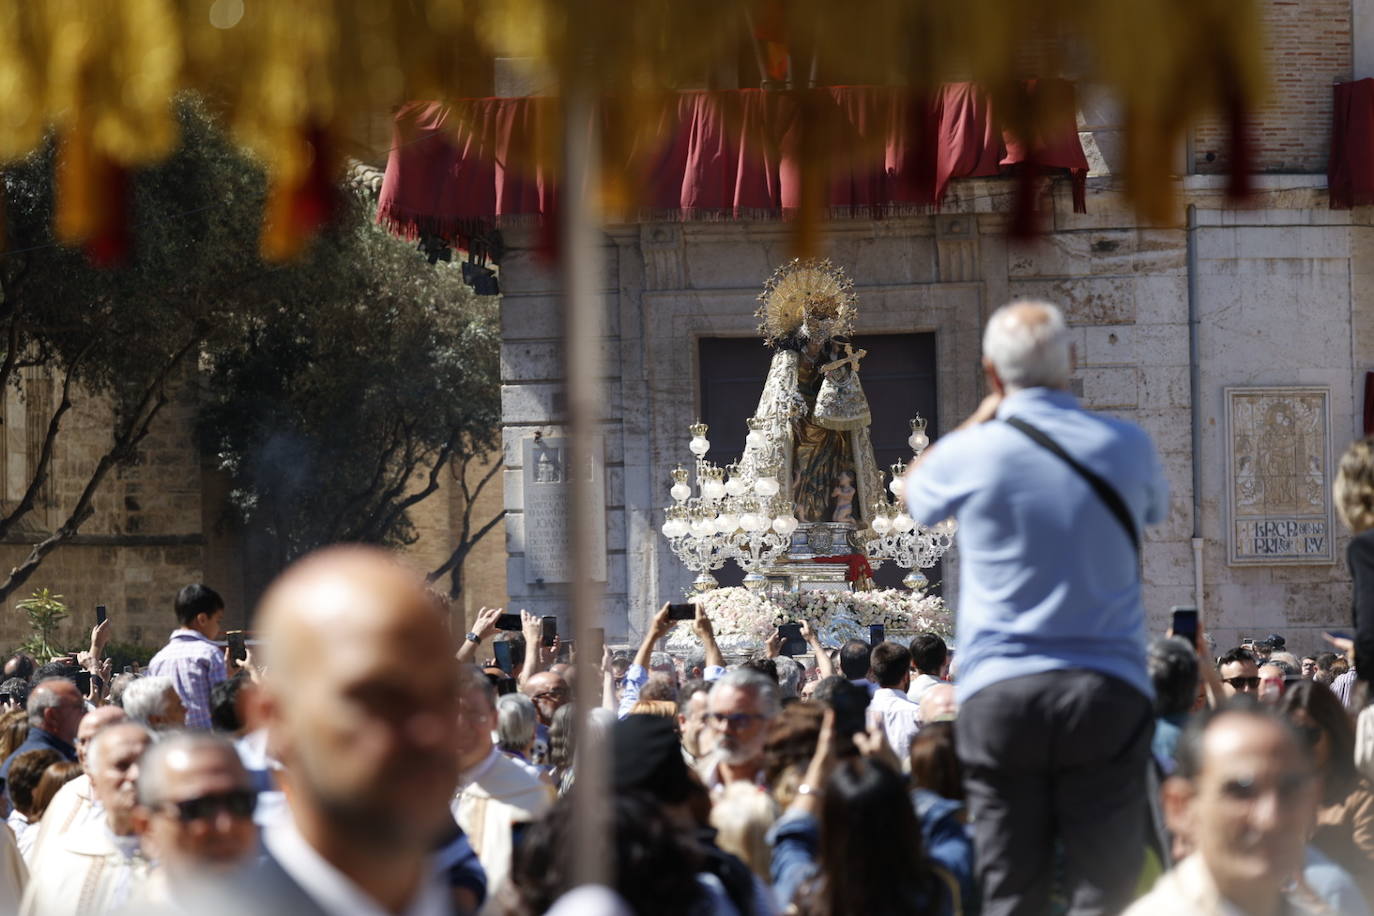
x,y
898,378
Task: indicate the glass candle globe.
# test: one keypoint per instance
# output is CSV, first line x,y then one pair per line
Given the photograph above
x,y
754,441
785,525
746,521
903,523
699,445
882,525
918,441
680,491
735,486
727,523
713,489
766,486
896,487
703,527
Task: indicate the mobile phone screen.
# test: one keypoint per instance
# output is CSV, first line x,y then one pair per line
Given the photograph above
x,y
683,611
1184,623
876,633
503,656
548,630
508,622
100,614
792,641
596,646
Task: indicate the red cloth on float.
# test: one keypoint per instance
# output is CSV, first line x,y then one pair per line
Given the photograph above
x,y
1350,168
456,169
859,568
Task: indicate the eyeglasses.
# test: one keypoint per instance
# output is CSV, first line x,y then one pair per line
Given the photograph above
x,y
558,694
239,803
734,719
1242,683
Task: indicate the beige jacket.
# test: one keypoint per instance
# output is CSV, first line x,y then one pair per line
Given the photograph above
x,y
84,873
1188,890
73,806
496,794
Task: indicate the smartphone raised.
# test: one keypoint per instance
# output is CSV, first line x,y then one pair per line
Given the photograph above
x,y
504,659
682,611
238,650
792,641
1184,622
548,630
876,633
508,622
100,614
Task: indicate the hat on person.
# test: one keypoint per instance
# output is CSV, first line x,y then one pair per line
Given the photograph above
x,y
647,756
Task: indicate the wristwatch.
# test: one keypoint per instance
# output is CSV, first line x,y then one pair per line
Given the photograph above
x,y
473,638
806,789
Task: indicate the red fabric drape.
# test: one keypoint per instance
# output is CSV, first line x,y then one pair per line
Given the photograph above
x,y
456,169
1350,168
859,567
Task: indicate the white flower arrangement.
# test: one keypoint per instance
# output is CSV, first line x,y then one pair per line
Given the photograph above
x,y
743,619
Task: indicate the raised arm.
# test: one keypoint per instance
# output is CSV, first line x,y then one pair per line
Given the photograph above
x,y
484,627
823,662
531,629
701,625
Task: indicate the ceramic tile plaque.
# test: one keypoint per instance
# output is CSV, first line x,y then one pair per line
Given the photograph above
x,y
1278,460
547,480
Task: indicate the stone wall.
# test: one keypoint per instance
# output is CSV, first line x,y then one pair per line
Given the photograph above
x,y
1309,44
1277,289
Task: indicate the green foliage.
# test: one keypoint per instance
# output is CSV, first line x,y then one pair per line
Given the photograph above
x,y
337,388
123,654
331,415
45,612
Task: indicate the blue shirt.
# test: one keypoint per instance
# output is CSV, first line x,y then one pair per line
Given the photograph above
x,y
1048,578
38,740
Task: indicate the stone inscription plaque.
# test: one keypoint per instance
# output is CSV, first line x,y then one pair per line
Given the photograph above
x,y
547,479
1278,476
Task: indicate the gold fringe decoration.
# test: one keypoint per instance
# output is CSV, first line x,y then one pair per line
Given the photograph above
x,y
294,75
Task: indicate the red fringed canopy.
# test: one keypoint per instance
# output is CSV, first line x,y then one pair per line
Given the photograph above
x,y
1350,168
458,169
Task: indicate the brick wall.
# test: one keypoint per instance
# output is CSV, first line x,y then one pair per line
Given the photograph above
x,y
1308,47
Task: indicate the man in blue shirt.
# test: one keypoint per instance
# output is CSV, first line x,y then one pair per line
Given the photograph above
x,y
55,710
1055,713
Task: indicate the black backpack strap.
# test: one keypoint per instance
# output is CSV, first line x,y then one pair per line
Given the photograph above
x,y
1105,491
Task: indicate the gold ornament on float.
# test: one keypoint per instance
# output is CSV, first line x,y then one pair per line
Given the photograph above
x,y
807,300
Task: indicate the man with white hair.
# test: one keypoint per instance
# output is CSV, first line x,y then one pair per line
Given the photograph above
x,y
99,867
741,705
154,702
1055,715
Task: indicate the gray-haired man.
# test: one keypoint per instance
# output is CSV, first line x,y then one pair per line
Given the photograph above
x,y
1055,714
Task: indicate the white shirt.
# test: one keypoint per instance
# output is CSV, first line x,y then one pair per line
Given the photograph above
x,y
901,718
24,833
332,890
920,684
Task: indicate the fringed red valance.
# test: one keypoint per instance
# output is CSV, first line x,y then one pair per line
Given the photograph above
x,y
458,169
1350,168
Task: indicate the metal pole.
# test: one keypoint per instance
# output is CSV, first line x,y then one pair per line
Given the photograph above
x,y
581,253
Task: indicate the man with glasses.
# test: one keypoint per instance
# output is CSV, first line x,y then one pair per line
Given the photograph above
x,y
1243,800
741,705
55,709
549,691
195,810
1239,671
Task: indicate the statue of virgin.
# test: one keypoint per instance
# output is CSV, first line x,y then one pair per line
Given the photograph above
x,y
813,412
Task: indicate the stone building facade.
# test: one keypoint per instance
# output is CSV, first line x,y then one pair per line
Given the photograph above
x,y
1275,292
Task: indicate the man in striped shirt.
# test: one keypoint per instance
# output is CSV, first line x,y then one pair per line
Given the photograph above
x,y
192,659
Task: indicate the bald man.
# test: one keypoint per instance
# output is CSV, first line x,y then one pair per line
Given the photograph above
x,y
361,708
1055,715
96,868
75,803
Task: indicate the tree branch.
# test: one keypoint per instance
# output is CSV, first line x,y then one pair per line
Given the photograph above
x,y
125,445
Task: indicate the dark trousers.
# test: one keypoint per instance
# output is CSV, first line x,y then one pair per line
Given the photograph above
x,y
1056,757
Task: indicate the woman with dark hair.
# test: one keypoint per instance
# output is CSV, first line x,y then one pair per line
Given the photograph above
x,y
1353,494
850,843
1345,820
653,866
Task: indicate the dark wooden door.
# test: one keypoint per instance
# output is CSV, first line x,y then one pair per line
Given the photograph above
x,y
898,378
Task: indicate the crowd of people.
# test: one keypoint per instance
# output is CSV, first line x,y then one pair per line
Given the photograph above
x,y
360,759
